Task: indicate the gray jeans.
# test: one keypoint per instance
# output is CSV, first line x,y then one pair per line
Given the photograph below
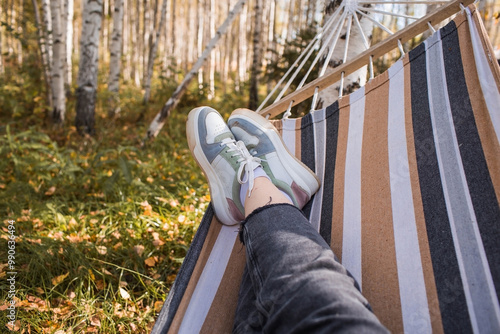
x,y
293,283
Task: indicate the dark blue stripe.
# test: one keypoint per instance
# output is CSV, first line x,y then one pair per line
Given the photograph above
x,y
332,130
307,151
450,291
481,188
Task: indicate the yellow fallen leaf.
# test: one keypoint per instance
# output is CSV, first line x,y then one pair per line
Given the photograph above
x,y
150,261
158,305
58,279
124,293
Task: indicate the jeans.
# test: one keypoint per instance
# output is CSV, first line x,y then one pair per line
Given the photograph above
x,y
293,283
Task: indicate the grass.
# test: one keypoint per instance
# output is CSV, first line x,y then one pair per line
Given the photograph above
x,y
102,224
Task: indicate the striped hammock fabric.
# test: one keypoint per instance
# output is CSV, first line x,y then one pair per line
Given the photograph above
x,y
410,170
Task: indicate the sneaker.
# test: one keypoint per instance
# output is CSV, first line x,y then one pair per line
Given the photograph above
x,y
286,172
225,162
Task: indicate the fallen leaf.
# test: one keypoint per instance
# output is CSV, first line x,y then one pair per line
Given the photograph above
x,y
139,249
51,191
101,250
124,293
39,290
123,283
16,327
95,321
58,279
150,261
158,305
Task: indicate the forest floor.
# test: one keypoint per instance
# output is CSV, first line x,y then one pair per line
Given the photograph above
x,y
102,224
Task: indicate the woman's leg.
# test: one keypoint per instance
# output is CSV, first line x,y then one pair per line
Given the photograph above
x,y
298,286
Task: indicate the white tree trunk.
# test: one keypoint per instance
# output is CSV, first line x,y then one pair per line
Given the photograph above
x,y
47,30
69,42
58,63
115,58
87,71
356,46
160,118
152,53
211,90
43,51
256,60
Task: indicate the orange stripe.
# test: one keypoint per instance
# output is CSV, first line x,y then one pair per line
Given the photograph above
x,y
220,317
425,253
379,274
298,142
489,141
278,125
213,233
338,184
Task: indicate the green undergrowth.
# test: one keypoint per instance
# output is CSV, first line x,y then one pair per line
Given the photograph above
x,y
102,224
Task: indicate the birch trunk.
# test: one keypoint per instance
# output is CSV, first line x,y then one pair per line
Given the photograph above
x,y
256,60
115,59
201,22
152,52
87,72
43,52
355,46
47,31
69,42
159,121
211,91
58,63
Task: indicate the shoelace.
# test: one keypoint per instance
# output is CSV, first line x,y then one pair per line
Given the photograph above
x,y
246,161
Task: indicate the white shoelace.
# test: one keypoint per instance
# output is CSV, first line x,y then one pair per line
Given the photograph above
x,y
247,162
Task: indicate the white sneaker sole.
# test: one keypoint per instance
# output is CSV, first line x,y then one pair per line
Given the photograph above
x,y
300,173
217,193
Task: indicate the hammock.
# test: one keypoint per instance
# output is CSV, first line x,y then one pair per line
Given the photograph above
x,y
410,170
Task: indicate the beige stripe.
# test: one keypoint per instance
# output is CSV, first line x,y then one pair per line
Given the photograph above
x,y
489,141
338,184
220,317
298,142
379,274
278,125
212,234
425,254
495,69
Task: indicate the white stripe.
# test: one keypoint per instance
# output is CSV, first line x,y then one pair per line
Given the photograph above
x,y
474,269
414,305
289,134
209,281
319,122
486,78
351,242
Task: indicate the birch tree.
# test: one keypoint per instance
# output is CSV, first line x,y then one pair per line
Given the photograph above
x,y
87,72
69,15
355,46
58,63
47,35
152,52
43,51
256,59
115,58
159,120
